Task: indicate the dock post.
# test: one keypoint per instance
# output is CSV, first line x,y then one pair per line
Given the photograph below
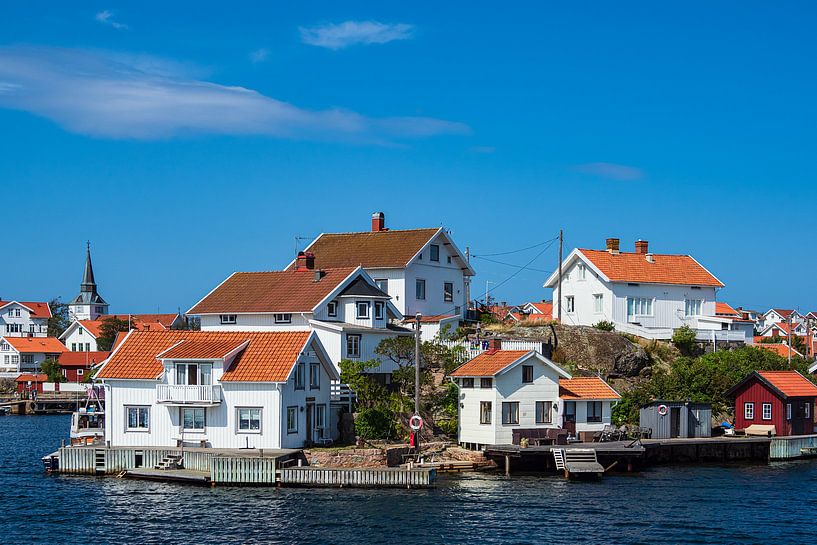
x,y
507,465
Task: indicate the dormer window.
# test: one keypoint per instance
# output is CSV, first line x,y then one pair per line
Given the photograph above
x,y
283,318
332,309
362,310
378,310
434,252
228,318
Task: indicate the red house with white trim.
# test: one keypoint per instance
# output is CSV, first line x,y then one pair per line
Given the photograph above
x,y
76,365
783,399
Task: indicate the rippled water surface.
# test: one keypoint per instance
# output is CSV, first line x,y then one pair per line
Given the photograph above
x,y
742,504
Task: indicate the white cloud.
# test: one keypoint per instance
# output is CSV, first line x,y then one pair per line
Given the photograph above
x,y
122,96
259,55
612,171
338,36
106,18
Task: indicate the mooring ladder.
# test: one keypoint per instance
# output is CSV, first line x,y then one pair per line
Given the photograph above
x,y
99,460
559,458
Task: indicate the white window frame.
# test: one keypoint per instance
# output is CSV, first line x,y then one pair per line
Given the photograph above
x,y
203,419
282,318
292,418
228,319
239,421
598,303
448,295
420,289
582,271
749,410
353,340
693,305
766,411
546,412
332,309
508,416
788,411
483,405
364,305
639,306
139,411
570,303
314,376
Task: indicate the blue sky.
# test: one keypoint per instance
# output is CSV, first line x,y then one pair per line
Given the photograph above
x,y
191,140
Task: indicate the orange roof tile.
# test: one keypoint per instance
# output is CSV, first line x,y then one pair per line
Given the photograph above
x,y
39,309
666,268
268,357
488,363
545,307
790,383
165,321
94,327
81,359
36,345
586,388
434,318
27,377
276,291
725,309
781,349
372,249
201,350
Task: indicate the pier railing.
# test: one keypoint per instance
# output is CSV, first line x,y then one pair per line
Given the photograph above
x,y
188,394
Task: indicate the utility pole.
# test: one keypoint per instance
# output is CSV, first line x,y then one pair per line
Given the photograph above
x,y
561,242
467,283
791,334
417,318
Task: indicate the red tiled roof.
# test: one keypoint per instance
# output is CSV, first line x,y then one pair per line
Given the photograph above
x,y
790,383
165,321
666,268
725,309
36,345
488,363
201,350
545,307
27,377
586,388
781,349
431,319
94,327
38,309
784,313
81,359
276,291
268,357
369,249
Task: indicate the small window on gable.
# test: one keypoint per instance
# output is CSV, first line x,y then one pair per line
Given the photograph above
x,y
362,309
448,259
434,252
283,318
228,318
527,374
378,310
581,271
332,309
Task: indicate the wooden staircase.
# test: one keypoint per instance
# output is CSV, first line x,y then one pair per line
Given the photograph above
x,y
559,458
171,461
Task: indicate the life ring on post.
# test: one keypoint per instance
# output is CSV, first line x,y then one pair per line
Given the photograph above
x,y
416,422
663,410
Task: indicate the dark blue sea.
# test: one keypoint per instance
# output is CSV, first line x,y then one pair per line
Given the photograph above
x,y
719,505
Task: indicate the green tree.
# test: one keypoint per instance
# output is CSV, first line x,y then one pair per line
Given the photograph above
x,y
684,340
108,330
52,368
59,320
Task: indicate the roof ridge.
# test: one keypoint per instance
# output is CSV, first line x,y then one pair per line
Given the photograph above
x,y
384,232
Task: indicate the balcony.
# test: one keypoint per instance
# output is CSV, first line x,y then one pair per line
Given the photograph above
x,y
181,394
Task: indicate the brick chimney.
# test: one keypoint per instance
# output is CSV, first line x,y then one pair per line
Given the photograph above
x,y
305,261
642,247
613,245
378,222
494,344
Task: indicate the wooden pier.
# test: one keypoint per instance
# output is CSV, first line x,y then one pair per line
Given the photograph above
x,y
387,477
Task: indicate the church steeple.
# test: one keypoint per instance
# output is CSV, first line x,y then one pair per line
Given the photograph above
x,y
88,305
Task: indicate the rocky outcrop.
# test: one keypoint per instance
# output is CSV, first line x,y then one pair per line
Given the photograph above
x,y
589,350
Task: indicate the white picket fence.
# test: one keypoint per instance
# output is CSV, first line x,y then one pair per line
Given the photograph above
x,y
472,349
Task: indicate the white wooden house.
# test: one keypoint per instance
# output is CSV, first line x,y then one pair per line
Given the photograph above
x,y
422,270
642,293
587,405
344,306
26,354
505,390
24,318
220,389
781,315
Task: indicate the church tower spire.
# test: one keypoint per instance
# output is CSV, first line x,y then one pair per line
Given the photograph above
x,y
88,305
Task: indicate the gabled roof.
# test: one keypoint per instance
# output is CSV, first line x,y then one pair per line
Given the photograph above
x,y
164,320
38,309
781,349
81,359
275,291
494,362
782,326
360,287
28,377
392,249
36,345
784,383
267,357
193,349
586,388
725,309
634,267
782,312
545,307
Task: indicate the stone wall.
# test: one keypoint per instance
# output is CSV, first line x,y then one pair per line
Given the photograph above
x,y
357,457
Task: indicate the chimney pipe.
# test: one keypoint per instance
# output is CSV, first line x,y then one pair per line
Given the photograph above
x,y
642,247
613,245
305,261
378,222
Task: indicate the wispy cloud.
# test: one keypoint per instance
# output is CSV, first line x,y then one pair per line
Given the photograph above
x,y
106,18
259,55
121,96
338,36
612,171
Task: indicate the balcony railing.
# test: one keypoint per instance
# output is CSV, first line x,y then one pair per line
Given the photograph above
x,y
181,394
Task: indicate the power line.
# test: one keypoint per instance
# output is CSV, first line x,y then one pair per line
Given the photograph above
x,y
508,264
521,268
516,251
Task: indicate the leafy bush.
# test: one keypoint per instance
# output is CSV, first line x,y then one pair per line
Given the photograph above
x,y
51,367
374,423
605,325
771,340
684,340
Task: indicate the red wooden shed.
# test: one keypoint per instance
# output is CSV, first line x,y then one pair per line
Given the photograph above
x,y
27,383
784,399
